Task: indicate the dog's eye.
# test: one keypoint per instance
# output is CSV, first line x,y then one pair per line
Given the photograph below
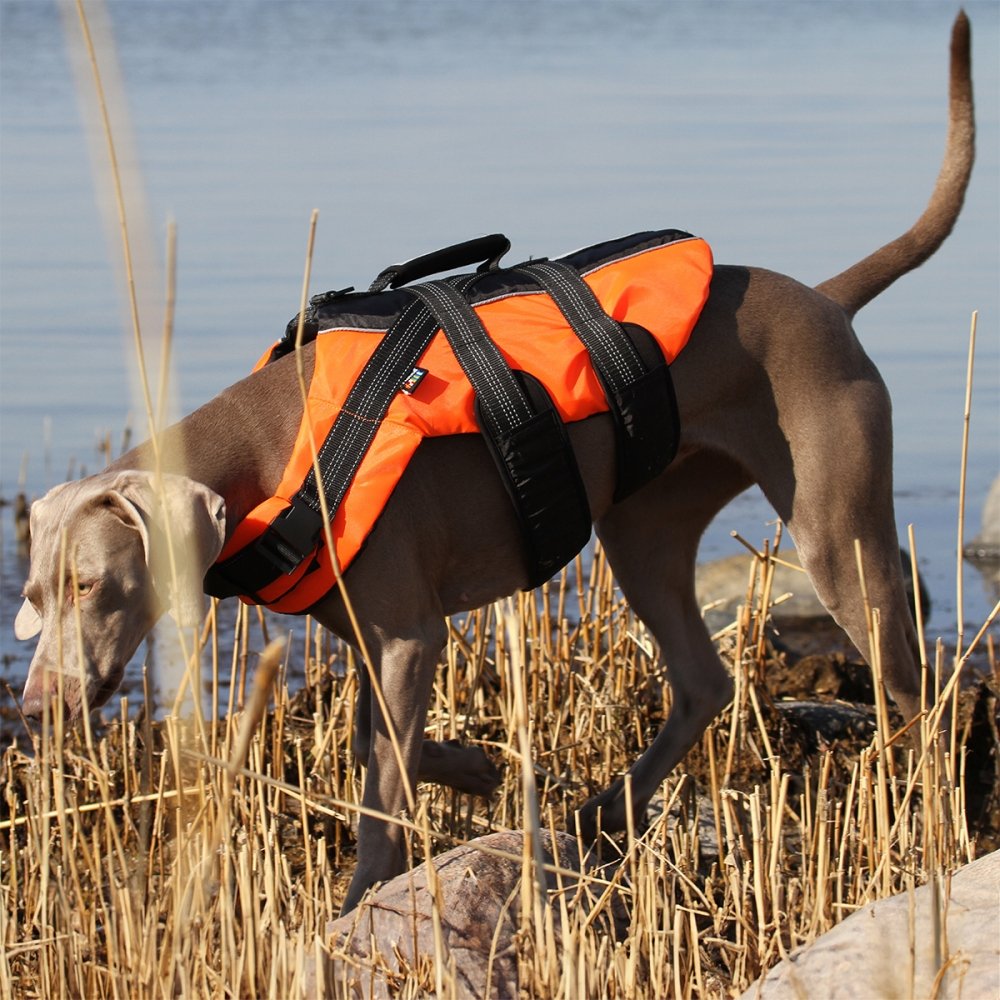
x,y
83,588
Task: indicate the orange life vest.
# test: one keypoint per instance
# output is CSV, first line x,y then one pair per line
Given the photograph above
x,y
661,288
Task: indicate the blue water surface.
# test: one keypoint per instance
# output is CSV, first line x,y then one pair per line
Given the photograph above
x,y
793,135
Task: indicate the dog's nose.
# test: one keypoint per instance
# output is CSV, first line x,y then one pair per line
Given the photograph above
x,y
32,704
36,693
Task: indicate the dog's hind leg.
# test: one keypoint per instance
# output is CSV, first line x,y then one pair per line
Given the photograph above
x,y
450,763
840,494
651,541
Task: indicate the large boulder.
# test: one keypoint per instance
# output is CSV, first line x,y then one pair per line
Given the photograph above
x,y
721,588
393,931
887,949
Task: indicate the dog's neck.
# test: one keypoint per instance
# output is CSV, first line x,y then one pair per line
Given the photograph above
x,y
237,444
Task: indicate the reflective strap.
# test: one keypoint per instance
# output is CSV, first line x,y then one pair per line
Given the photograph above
x,y
499,393
524,434
612,353
358,421
295,533
636,382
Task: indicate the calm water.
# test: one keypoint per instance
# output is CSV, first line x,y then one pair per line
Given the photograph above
x,y
797,135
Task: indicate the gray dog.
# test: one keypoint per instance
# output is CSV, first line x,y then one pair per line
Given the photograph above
x,y
774,388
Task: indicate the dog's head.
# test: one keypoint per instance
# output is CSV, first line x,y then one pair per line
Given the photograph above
x,y
104,568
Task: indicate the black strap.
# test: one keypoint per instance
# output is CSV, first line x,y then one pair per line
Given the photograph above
x,y
524,434
613,354
633,374
295,533
496,388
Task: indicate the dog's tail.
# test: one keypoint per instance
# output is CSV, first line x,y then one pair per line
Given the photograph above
x,y
859,284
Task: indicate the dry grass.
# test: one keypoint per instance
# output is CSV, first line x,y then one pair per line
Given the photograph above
x,y
207,858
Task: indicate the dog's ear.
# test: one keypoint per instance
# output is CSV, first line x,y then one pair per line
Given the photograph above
x,y
196,517
28,622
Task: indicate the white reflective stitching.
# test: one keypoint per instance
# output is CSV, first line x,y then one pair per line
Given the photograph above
x,y
383,373
364,422
487,370
627,362
493,376
572,293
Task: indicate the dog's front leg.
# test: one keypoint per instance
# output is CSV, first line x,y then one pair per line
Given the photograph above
x,y
405,672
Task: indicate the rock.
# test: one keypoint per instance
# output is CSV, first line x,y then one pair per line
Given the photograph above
x,y
826,723
884,950
986,545
479,918
694,815
721,586
983,551
723,583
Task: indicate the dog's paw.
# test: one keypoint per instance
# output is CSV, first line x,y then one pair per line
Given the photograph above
x,y
466,769
604,813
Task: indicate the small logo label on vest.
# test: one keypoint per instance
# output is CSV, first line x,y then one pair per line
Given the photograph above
x,y
412,381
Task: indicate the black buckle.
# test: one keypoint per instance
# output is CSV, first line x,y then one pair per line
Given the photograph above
x,y
291,536
325,298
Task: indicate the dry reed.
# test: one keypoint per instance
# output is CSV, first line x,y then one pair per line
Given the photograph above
x,y
155,858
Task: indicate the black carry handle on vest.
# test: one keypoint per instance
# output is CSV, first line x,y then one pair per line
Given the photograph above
x,y
483,250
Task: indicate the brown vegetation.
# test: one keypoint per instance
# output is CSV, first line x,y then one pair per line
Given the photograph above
x,y
208,858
